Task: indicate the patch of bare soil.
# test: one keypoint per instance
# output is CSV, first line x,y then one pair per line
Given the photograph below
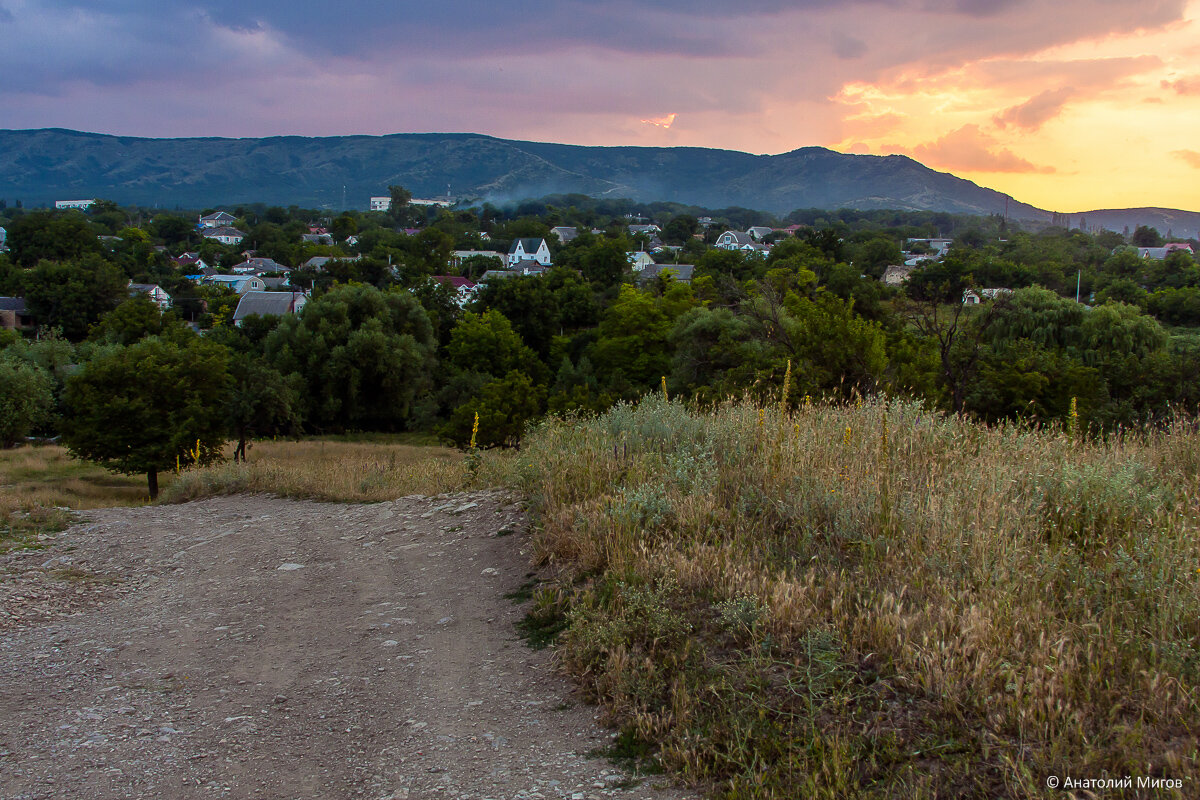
x,y
265,648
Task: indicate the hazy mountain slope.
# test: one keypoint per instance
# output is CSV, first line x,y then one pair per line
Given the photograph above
x,y
1166,220
40,166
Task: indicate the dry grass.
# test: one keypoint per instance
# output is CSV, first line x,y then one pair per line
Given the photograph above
x,y
876,600
40,485
338,471
47,476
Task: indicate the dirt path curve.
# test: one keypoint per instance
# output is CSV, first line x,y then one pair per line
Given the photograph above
x,y
264,648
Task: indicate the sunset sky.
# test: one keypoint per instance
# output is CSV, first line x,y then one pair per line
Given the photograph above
x,y
1073,105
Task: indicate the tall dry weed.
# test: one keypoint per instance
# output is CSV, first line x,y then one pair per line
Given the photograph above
x,y
996,605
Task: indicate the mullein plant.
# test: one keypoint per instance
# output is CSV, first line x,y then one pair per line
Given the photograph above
x,y
473,458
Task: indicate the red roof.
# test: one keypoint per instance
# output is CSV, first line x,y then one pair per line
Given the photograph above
x,y
456,282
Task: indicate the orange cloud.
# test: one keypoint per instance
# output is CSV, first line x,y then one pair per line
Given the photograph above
x,y
872,125
662,122
970,149
1037,111
1190,156
1185,86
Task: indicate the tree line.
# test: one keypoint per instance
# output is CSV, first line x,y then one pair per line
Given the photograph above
x,y
381,347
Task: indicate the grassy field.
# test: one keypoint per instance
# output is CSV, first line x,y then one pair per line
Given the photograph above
x,y
864,600
350,470
41,485
876,601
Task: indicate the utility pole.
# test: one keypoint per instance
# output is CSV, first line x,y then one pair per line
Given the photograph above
x,y
1078,280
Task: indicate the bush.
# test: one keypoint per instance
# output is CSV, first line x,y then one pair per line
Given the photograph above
x,y
26,398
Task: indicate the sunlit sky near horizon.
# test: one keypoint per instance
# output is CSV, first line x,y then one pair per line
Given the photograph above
x,y
1070,106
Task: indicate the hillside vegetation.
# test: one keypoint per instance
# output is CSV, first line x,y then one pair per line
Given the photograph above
x,y
873,600
41,166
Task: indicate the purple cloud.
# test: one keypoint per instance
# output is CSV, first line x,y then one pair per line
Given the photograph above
x,y
756,74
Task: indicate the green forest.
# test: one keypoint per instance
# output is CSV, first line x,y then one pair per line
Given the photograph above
x,y
382,347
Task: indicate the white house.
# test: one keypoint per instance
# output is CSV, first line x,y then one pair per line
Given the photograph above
x,y
218,219
385,203
154,291
3,238
639,261
529,250
224,235
973,297
260,266
759,232
463,288
733,240
239,283
190,261
649,230
84,204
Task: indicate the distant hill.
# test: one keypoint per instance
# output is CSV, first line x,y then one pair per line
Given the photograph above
x,y
40,166
1172,221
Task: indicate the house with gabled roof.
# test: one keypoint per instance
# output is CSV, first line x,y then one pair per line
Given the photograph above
x,y
318,262
190,261
155,292
268,304
535,250
733,240
224,235
639,261
14,316
759,232
218,219
463,288
679,272
238,283
565,233
258,265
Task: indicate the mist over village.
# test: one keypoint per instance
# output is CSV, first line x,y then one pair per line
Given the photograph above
x,y
776,400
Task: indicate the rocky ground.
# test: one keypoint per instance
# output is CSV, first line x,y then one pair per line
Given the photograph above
x,y
265,648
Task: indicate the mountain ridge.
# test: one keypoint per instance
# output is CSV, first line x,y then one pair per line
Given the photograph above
x,y
42,165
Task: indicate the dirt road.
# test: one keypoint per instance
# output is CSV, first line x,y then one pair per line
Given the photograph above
x,y
264,648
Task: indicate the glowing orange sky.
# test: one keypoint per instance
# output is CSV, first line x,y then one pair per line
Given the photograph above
x,y
1121,129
